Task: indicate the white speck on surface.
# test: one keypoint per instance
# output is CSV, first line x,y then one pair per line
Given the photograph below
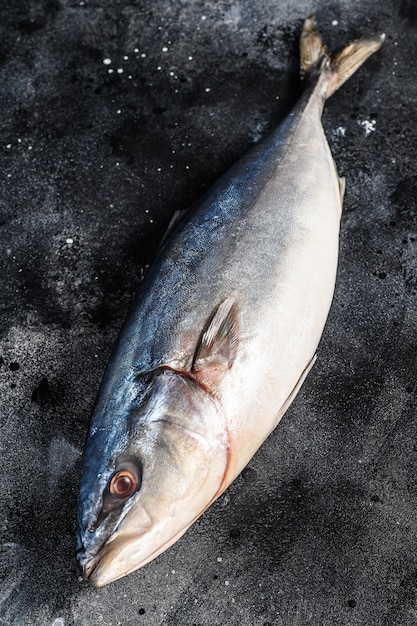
x,y
159,68
19,140
335,23
164,49
340,131
368,125
69,241
226,582
125,57
136,50
207,89
59,621
30,147
173,571
120,70
143,55
219,559
9,145
233,16
258,131
204,17
107,61
110,71
11,545
190,58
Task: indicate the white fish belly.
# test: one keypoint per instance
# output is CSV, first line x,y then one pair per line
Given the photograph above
x,y
282,324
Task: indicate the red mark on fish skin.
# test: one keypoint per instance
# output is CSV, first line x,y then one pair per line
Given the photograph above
x,y
224,484
209,373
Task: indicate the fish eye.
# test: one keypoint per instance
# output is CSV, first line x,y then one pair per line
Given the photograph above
x,y
123,484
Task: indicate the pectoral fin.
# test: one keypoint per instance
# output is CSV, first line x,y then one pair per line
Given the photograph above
x,y
217,348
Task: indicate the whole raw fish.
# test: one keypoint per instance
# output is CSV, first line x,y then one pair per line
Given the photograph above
x,y
223,332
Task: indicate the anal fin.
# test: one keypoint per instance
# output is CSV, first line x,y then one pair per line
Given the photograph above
x,y
342,187
296,388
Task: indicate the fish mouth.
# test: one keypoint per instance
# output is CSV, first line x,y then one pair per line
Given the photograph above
x,y
87,563
96,568
87,566
104,566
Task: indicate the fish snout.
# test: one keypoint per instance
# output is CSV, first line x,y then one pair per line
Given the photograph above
x,y
87,552
86,562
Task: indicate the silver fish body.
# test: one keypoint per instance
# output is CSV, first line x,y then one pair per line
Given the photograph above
x,y
222,334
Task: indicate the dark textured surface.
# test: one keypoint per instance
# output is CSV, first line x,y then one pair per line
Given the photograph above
x,y
320,528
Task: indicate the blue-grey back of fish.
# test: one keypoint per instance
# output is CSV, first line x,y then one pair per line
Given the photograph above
x,y
222,334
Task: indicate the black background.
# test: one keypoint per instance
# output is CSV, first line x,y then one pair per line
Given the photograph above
x,y
320,527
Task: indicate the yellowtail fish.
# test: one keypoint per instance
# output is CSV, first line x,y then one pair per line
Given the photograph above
x,y
223,332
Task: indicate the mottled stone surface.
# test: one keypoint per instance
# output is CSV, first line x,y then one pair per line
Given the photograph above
x,y
114,115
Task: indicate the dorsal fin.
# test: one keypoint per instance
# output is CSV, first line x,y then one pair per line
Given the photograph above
x,y
171,226
217,348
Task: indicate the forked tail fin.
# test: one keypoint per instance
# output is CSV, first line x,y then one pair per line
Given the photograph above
x,y
337,69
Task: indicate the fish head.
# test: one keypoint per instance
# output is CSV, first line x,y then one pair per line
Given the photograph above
x,y
149,474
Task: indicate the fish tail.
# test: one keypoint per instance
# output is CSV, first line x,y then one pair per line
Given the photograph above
x,y
315,59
